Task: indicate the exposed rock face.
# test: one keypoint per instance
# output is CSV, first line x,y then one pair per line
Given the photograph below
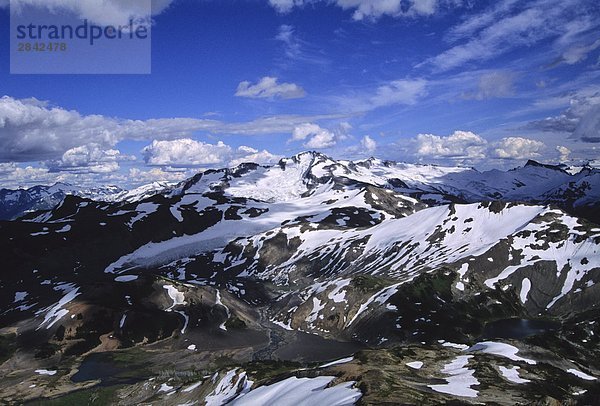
x,y
264,271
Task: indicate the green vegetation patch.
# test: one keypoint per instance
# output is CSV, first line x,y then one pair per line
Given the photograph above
x,y
91,396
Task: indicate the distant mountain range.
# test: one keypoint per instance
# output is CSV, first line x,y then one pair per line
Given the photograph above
x,y
17,202
387,282
574,189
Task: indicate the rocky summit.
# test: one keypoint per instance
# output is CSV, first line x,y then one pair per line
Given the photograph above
x,y
315,280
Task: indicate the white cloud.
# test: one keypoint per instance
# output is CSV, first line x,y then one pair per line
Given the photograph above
x,y
460,144
509,26
395,8
271,125
297,49
248,154
33,130
368,144
106,12
564,153
269,88
399,92
475,23
318,137
304,130
185,152
13,175
322,139
468,146
157,174
89,159
7,167
285,6
402,91
190,153
517,148
372,9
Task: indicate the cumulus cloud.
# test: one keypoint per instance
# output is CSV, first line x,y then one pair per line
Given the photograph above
x,y
107,12
247,154
516,148
89,159
460,144
7,167
368,144
269,88
322,139
14,175
34,130
494,85
158,175
186,152
466,145
564,153
318,138
372,9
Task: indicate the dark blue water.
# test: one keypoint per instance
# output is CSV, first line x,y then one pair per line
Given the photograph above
x,y
518,328
102,366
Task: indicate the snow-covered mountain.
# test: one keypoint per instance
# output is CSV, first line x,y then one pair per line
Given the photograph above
x,y
16,202
574,189
420,283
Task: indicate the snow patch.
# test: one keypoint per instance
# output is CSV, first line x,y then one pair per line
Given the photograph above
x,y
228,388
512,374
500,349
525,287
45,372
460,380
415,364
177,296
56,312
339,361
126,278
301,392
581,375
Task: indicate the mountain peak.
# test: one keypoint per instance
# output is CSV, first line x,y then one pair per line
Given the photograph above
x,y
532,163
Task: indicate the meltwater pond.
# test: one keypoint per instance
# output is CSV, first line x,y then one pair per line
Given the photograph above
x,y
102,366
517,328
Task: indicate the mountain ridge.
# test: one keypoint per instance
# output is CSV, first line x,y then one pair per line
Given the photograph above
x,y
300,263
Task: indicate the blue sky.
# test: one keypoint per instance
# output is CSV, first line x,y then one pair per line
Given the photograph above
x,y
484,84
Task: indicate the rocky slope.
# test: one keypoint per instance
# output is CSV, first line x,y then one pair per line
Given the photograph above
x,y
242,283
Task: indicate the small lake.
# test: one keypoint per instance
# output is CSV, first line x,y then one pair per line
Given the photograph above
x,y
103,367
518,328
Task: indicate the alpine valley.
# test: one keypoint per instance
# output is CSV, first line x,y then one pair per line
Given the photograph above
x,y
314,281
